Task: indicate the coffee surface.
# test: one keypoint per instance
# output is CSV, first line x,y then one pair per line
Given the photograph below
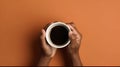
x,y
59,35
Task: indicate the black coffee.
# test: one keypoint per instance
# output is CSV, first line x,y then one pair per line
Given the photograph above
x,y
59,35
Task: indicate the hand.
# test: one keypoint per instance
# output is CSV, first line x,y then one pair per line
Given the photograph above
x,y
75,38
47,51
73,48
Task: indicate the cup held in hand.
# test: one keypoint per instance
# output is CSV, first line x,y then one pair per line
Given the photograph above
x,y
57,35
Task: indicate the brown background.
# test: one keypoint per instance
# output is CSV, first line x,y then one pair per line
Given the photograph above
x,y
97,20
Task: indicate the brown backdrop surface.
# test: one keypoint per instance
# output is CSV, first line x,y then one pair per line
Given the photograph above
x,y
97,20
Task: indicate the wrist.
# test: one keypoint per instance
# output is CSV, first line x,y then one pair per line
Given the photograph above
x,y
75,58
44,61
72,54
75,54
46,57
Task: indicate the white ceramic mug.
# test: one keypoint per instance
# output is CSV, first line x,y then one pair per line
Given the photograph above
x,y
48,32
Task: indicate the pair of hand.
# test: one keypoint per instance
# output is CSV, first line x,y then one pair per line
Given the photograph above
x,y
72,48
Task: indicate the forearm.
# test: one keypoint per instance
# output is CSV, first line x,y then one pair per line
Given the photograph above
x,y
44,61
76,60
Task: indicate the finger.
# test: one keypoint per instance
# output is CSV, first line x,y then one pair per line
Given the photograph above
x,y
72,36
72,28
73,25
70,23
72,39
75,30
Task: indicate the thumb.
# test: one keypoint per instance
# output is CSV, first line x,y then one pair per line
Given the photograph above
x,y
54,51
42,37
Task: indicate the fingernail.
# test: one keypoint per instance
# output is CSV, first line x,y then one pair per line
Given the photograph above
x,y
42,30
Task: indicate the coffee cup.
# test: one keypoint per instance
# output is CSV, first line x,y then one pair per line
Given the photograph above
x,y
57,35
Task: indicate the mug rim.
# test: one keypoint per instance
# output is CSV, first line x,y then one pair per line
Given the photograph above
x,y
48,30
